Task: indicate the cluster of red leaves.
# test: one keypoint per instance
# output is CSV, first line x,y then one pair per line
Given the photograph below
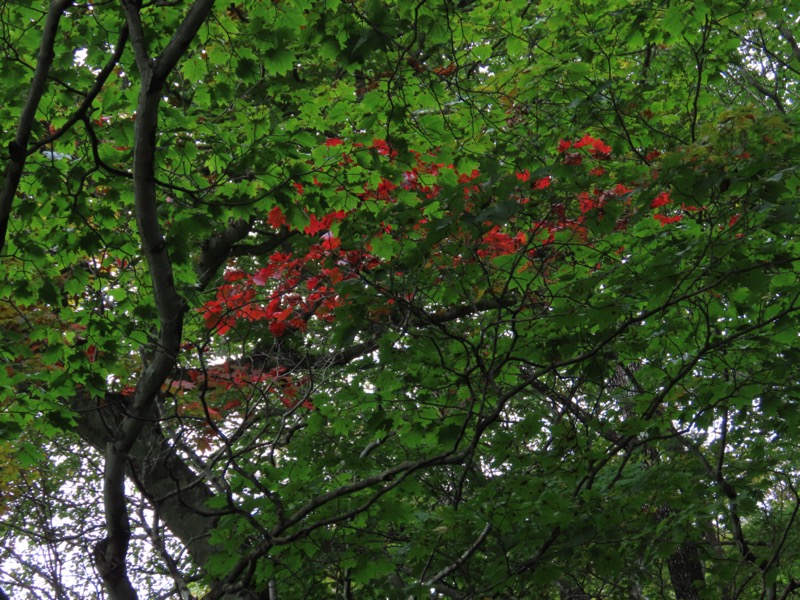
x,y
664,200
598,150
289,389
496,243
216,405
590,204
420,178
539,184
290,290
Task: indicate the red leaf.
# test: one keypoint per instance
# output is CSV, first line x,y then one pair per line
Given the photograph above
x,y
277,328
314,226
652,155
329,242
600,150
283,315
621,190
665,220
261,277
299,323
661,200
181,384
232,275
276,218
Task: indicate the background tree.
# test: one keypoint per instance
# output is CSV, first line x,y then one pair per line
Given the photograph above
x,y
379,299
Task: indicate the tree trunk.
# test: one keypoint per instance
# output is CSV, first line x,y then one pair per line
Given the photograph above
x,y
686,572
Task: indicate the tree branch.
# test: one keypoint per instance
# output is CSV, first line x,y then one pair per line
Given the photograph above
x,y
177,46
461,559
18,148
100,80
111,552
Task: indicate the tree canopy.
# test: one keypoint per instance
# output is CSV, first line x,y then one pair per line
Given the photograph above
x,y
387,299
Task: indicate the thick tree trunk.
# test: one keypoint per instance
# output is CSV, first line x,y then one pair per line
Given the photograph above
x,y
178,494
686,572
175,491
684,565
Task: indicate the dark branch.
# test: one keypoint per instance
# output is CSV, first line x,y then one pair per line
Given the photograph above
x,y
18,148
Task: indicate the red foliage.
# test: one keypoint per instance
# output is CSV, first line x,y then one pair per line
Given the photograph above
x,y
665,220
276,218
289,291
316,225
496,243
661,200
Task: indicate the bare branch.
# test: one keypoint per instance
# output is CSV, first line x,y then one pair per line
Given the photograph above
x,y
461,559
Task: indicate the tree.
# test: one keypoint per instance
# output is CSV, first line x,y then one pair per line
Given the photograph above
x,y
378,299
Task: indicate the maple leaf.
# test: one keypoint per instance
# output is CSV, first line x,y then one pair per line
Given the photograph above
x,y
314,226
665,220
232,275
261,277
621,190
329,242
382,147
661,200
600,150
276,218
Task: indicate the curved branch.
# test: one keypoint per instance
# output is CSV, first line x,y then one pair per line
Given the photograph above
x,y
461,559
111,552
177,46
18,148
81,111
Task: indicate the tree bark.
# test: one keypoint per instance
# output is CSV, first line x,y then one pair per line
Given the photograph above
x,y
110,553
686,572
178,494
18,149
